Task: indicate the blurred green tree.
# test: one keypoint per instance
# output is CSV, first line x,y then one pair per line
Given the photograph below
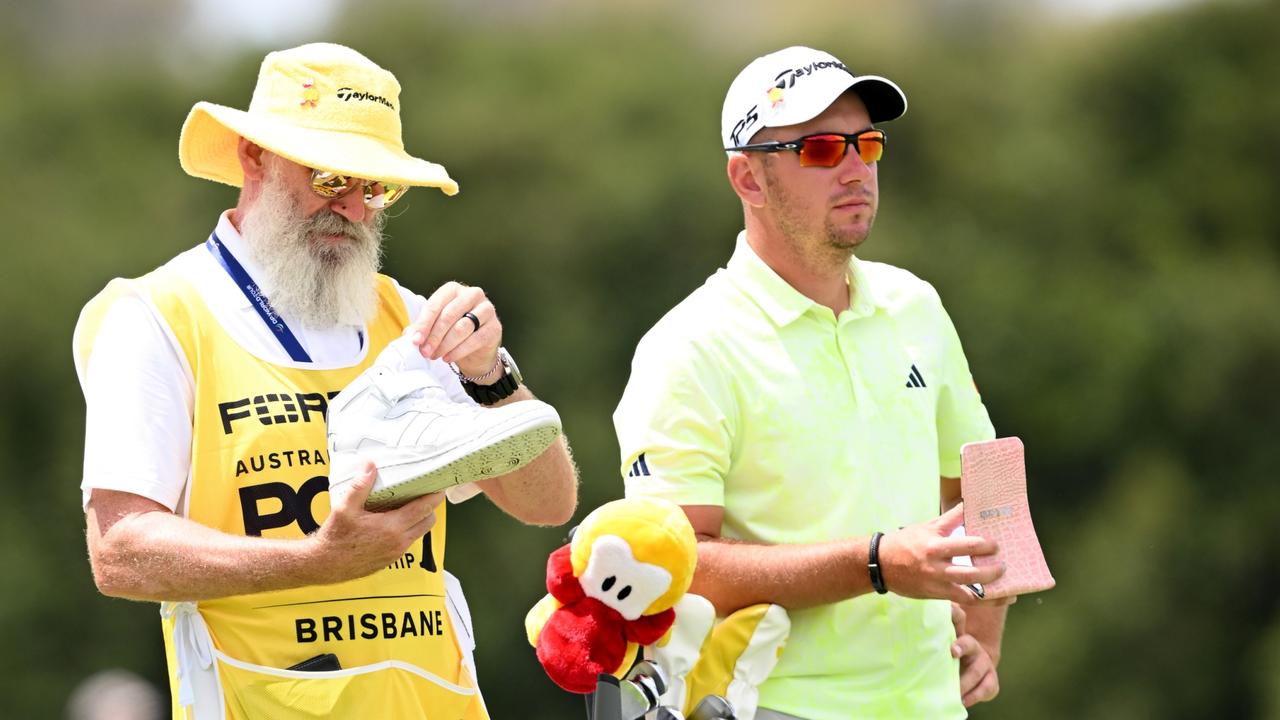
x,y
1094,200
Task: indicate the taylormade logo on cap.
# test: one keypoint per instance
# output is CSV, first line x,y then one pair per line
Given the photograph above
x,y
796,84
775,97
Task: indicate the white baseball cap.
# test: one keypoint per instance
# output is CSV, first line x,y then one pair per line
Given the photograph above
x,y
796,84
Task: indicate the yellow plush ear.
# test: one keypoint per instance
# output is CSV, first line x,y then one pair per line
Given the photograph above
x,y
658,533
536,619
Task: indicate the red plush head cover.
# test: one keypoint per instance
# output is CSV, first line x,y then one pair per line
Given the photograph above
x,y
611,590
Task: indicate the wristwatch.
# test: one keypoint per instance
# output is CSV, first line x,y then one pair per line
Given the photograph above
x,y
509,379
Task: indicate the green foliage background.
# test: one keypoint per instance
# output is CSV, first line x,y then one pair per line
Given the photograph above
x,y
1097,202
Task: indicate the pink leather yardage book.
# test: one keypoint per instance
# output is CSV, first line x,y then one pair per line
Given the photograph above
x,y
993,481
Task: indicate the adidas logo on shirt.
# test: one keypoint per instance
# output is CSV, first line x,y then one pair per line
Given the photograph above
x,y
639,468
914,378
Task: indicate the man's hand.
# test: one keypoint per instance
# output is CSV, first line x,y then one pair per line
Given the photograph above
x,y
916,560
978,679
354,542
443,331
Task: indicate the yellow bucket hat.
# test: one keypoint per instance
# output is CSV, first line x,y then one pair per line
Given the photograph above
x,y
321,105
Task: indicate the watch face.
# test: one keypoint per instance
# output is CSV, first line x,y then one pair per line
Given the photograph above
x,y
512,369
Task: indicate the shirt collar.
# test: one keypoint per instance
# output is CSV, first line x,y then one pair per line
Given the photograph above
x,y
782,302
863,300
239,249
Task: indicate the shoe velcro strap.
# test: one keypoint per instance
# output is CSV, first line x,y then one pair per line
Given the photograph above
x,y
396,385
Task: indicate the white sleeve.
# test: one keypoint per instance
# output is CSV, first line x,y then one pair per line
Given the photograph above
x,y
138,396
413,302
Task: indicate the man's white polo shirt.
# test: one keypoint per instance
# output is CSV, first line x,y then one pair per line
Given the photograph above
x,y
806,427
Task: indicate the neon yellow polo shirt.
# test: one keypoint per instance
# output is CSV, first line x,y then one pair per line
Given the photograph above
x,y
807,427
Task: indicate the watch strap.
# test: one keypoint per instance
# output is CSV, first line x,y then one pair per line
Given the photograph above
x,y
503,388
493,392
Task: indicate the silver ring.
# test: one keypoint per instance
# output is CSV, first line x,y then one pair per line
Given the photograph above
x,y
474,320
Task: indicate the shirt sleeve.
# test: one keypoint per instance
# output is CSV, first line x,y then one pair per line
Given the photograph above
x,y
139,398
962,418
675,425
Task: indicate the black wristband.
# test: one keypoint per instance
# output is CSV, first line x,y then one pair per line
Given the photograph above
x,y
873,564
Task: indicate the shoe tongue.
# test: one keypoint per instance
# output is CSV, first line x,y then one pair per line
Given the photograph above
x,y
399,355
405,372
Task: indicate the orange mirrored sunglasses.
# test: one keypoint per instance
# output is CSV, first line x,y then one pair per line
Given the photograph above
x,y
827,149
378,195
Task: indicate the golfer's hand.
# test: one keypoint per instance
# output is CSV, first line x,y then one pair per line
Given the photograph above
x,y
354,542
442,331
916,561
978,679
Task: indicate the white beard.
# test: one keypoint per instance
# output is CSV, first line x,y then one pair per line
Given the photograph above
x,y
322,286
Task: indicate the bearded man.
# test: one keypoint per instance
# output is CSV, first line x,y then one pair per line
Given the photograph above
x,y
207,383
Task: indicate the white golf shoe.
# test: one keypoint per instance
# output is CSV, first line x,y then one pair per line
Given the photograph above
x,y
396,414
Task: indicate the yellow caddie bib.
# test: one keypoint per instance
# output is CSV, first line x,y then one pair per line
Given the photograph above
x,y
259,466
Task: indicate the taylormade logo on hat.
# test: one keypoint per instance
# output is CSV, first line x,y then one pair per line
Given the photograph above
x,y
321,105
796,84
346,93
